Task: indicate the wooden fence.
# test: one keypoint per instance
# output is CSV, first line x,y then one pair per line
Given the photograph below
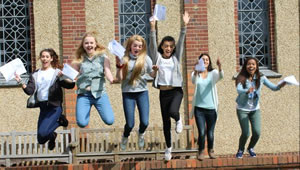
x,y
91,145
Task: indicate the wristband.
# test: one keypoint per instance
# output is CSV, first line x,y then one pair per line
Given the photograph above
x,y
21,82
119,66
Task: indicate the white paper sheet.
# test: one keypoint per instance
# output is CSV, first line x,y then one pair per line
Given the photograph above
x,y
116,49
13,67
291,80
69,72
200,66
159,13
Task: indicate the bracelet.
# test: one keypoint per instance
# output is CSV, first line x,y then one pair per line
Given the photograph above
x,y
21,82
119,66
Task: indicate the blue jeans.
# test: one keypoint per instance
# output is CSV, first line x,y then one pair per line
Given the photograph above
x,y
208,117
102,104
141,99
48,122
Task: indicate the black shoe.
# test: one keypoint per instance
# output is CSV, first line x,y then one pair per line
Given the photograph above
x,y
51,143
63,121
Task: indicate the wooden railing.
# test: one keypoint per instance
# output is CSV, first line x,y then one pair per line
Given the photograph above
x,y
85,145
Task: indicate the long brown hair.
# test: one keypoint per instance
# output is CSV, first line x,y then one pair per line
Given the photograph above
x,y
140,62
244,75
55,62
80,52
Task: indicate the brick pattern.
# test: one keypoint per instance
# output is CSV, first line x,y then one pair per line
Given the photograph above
x,y
271,34
73,27
289,160
236,35
196,40
32,36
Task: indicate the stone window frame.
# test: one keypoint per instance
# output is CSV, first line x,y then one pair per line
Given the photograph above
x,y
271,71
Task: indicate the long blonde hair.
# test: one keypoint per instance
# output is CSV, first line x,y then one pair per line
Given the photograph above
x,y
140,61
80,52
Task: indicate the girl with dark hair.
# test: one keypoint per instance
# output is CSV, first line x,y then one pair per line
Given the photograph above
x,y
132,72
249,83
47,83
205,103
167,58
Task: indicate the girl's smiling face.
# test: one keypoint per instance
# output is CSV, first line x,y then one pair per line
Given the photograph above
x,y
168,47
136,47
89,45
206,61
46,60
251,67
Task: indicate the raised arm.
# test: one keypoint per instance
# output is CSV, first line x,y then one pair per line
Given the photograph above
x,y
153,44
218,75
180,42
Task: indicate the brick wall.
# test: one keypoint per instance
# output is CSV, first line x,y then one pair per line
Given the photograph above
x,y
263,161
73,27
272,35
196,40
32,36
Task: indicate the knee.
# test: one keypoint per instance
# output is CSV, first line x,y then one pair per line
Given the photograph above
x,y
82,123
41,139
146,123
245,135
110,121
210,134
130,126
256,134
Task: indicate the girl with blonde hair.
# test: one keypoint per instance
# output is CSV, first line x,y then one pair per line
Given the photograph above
x,y
93,66
132,72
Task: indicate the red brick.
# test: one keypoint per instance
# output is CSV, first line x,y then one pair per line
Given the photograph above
x,y
282,160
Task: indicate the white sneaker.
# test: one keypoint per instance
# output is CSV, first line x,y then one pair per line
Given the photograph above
x,y
179,127
141,140
168,155
124,143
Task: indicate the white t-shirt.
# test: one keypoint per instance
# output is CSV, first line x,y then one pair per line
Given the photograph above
x,y
43,83
166,68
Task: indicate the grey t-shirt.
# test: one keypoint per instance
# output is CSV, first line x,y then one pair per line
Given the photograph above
x,y
141,82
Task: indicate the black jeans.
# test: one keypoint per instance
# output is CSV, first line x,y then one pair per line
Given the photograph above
x,y
170,101
208,117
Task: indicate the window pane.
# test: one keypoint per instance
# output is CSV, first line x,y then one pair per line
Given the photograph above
x,y
15,32
254,30
134,18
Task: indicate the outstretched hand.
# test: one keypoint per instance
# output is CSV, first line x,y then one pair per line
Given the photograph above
x,y
186,18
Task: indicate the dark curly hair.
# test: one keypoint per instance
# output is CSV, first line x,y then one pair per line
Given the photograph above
x,y
55,63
